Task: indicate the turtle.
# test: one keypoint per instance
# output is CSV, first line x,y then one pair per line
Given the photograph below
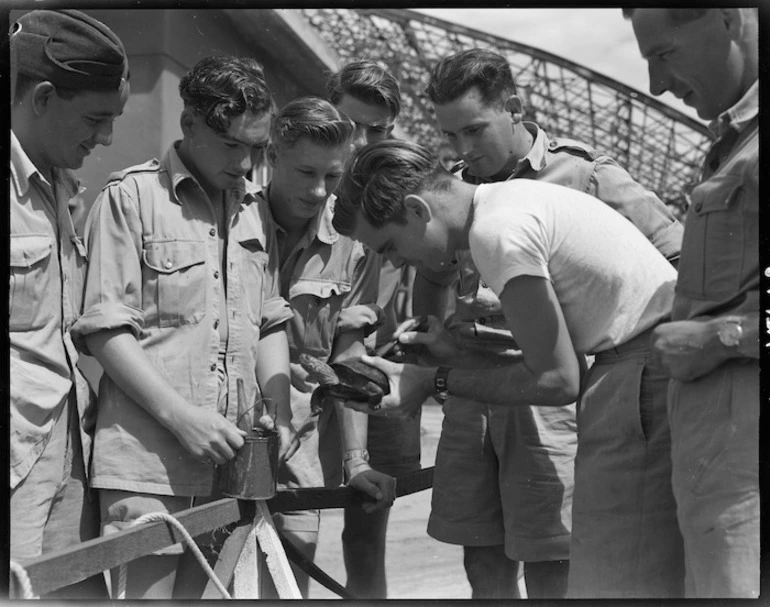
x,y
346,380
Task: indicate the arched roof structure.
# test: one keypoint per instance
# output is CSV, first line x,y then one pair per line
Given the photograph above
x,y
660,146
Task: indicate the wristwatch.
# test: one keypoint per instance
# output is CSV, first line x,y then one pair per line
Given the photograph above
x,y
441,384
355,454
730,332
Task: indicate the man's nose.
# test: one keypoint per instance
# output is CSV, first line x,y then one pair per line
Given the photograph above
x,y
104,133
659,78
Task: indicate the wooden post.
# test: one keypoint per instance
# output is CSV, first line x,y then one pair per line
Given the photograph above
x,y
277,563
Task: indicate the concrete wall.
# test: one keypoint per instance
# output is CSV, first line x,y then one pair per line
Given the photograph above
x,y
162,44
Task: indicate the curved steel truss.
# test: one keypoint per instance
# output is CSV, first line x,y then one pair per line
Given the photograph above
x,y
661,147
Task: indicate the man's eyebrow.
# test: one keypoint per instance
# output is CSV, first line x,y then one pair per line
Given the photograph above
x,y
230,138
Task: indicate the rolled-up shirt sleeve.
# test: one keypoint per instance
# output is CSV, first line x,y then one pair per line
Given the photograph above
x,y
113,291
275,309
614,186
364,289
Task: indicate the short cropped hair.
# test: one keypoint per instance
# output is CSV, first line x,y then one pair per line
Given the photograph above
x,y
314,118
455,75
676,16
23,84
367,82
223,87
381,175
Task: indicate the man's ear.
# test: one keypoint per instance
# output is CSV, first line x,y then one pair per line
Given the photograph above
x,y
514,107
733,21
42,94
187,122
418,207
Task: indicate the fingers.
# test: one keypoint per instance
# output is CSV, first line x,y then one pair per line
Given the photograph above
x,y
382,364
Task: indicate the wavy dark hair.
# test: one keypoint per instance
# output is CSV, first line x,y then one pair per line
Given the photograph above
x,y
368,82
455,75
223,87
311,117
381,175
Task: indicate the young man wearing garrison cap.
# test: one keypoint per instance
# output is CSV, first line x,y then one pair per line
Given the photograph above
x,y
70,82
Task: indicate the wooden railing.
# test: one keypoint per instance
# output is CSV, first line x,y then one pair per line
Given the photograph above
x,y
56,570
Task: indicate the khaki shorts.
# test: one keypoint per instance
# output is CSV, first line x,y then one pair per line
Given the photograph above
x,y
625,538
121,508
504,475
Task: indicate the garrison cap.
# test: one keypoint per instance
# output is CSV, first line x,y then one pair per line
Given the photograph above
x,y
69,49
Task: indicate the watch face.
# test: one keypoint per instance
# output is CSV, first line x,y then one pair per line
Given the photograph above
x,y
730,334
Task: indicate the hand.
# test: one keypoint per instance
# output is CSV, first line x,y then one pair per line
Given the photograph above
x,y
410,386
688,349
206,434
438,341
381,487
288,440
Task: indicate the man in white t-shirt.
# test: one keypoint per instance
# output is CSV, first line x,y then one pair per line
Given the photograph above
x,y
573,278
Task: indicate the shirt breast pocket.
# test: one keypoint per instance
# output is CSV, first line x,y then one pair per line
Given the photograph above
x,y
32,301
715,242
174,282
318,303
253,267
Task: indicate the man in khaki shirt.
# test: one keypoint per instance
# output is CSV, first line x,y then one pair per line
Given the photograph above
x,y
709,59
64,103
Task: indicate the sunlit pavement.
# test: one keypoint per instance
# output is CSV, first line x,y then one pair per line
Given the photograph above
x,y
418,567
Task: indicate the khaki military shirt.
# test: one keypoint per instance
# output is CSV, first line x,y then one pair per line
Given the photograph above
x,y
153,243
47,267
719,268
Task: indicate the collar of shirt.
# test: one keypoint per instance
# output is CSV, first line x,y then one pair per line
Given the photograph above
x,y
244,192
739,115
536,158
320,226
23,170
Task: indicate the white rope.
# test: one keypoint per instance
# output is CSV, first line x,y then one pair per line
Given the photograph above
x,y
23,580
164,516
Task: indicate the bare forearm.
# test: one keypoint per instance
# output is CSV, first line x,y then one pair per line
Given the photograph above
x,y
353,424
430,298
273,372
125,362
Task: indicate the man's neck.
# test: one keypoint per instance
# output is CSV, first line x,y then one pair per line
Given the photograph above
x,y
214,194
28,143
523,141
292,225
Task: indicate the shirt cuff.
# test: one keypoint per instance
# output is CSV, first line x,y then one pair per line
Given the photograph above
x,y
103,317
275,312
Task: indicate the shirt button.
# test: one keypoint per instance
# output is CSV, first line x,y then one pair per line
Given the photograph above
x,y
216,274
767,272
168,263
212,232
213,367
216,323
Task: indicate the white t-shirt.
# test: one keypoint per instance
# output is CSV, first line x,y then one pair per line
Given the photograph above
x,y
611,282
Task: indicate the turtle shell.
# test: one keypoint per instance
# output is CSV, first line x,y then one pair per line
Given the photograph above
x,y
345,380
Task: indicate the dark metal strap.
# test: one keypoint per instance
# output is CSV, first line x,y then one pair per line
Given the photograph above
x,y
406,484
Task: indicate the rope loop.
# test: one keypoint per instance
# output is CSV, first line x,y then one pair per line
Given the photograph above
x,y
153,517
22,579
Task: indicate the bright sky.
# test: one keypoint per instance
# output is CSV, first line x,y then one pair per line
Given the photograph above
x,y
600,39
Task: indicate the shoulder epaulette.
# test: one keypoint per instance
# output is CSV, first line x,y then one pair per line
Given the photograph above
x,y
571,146
151,166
